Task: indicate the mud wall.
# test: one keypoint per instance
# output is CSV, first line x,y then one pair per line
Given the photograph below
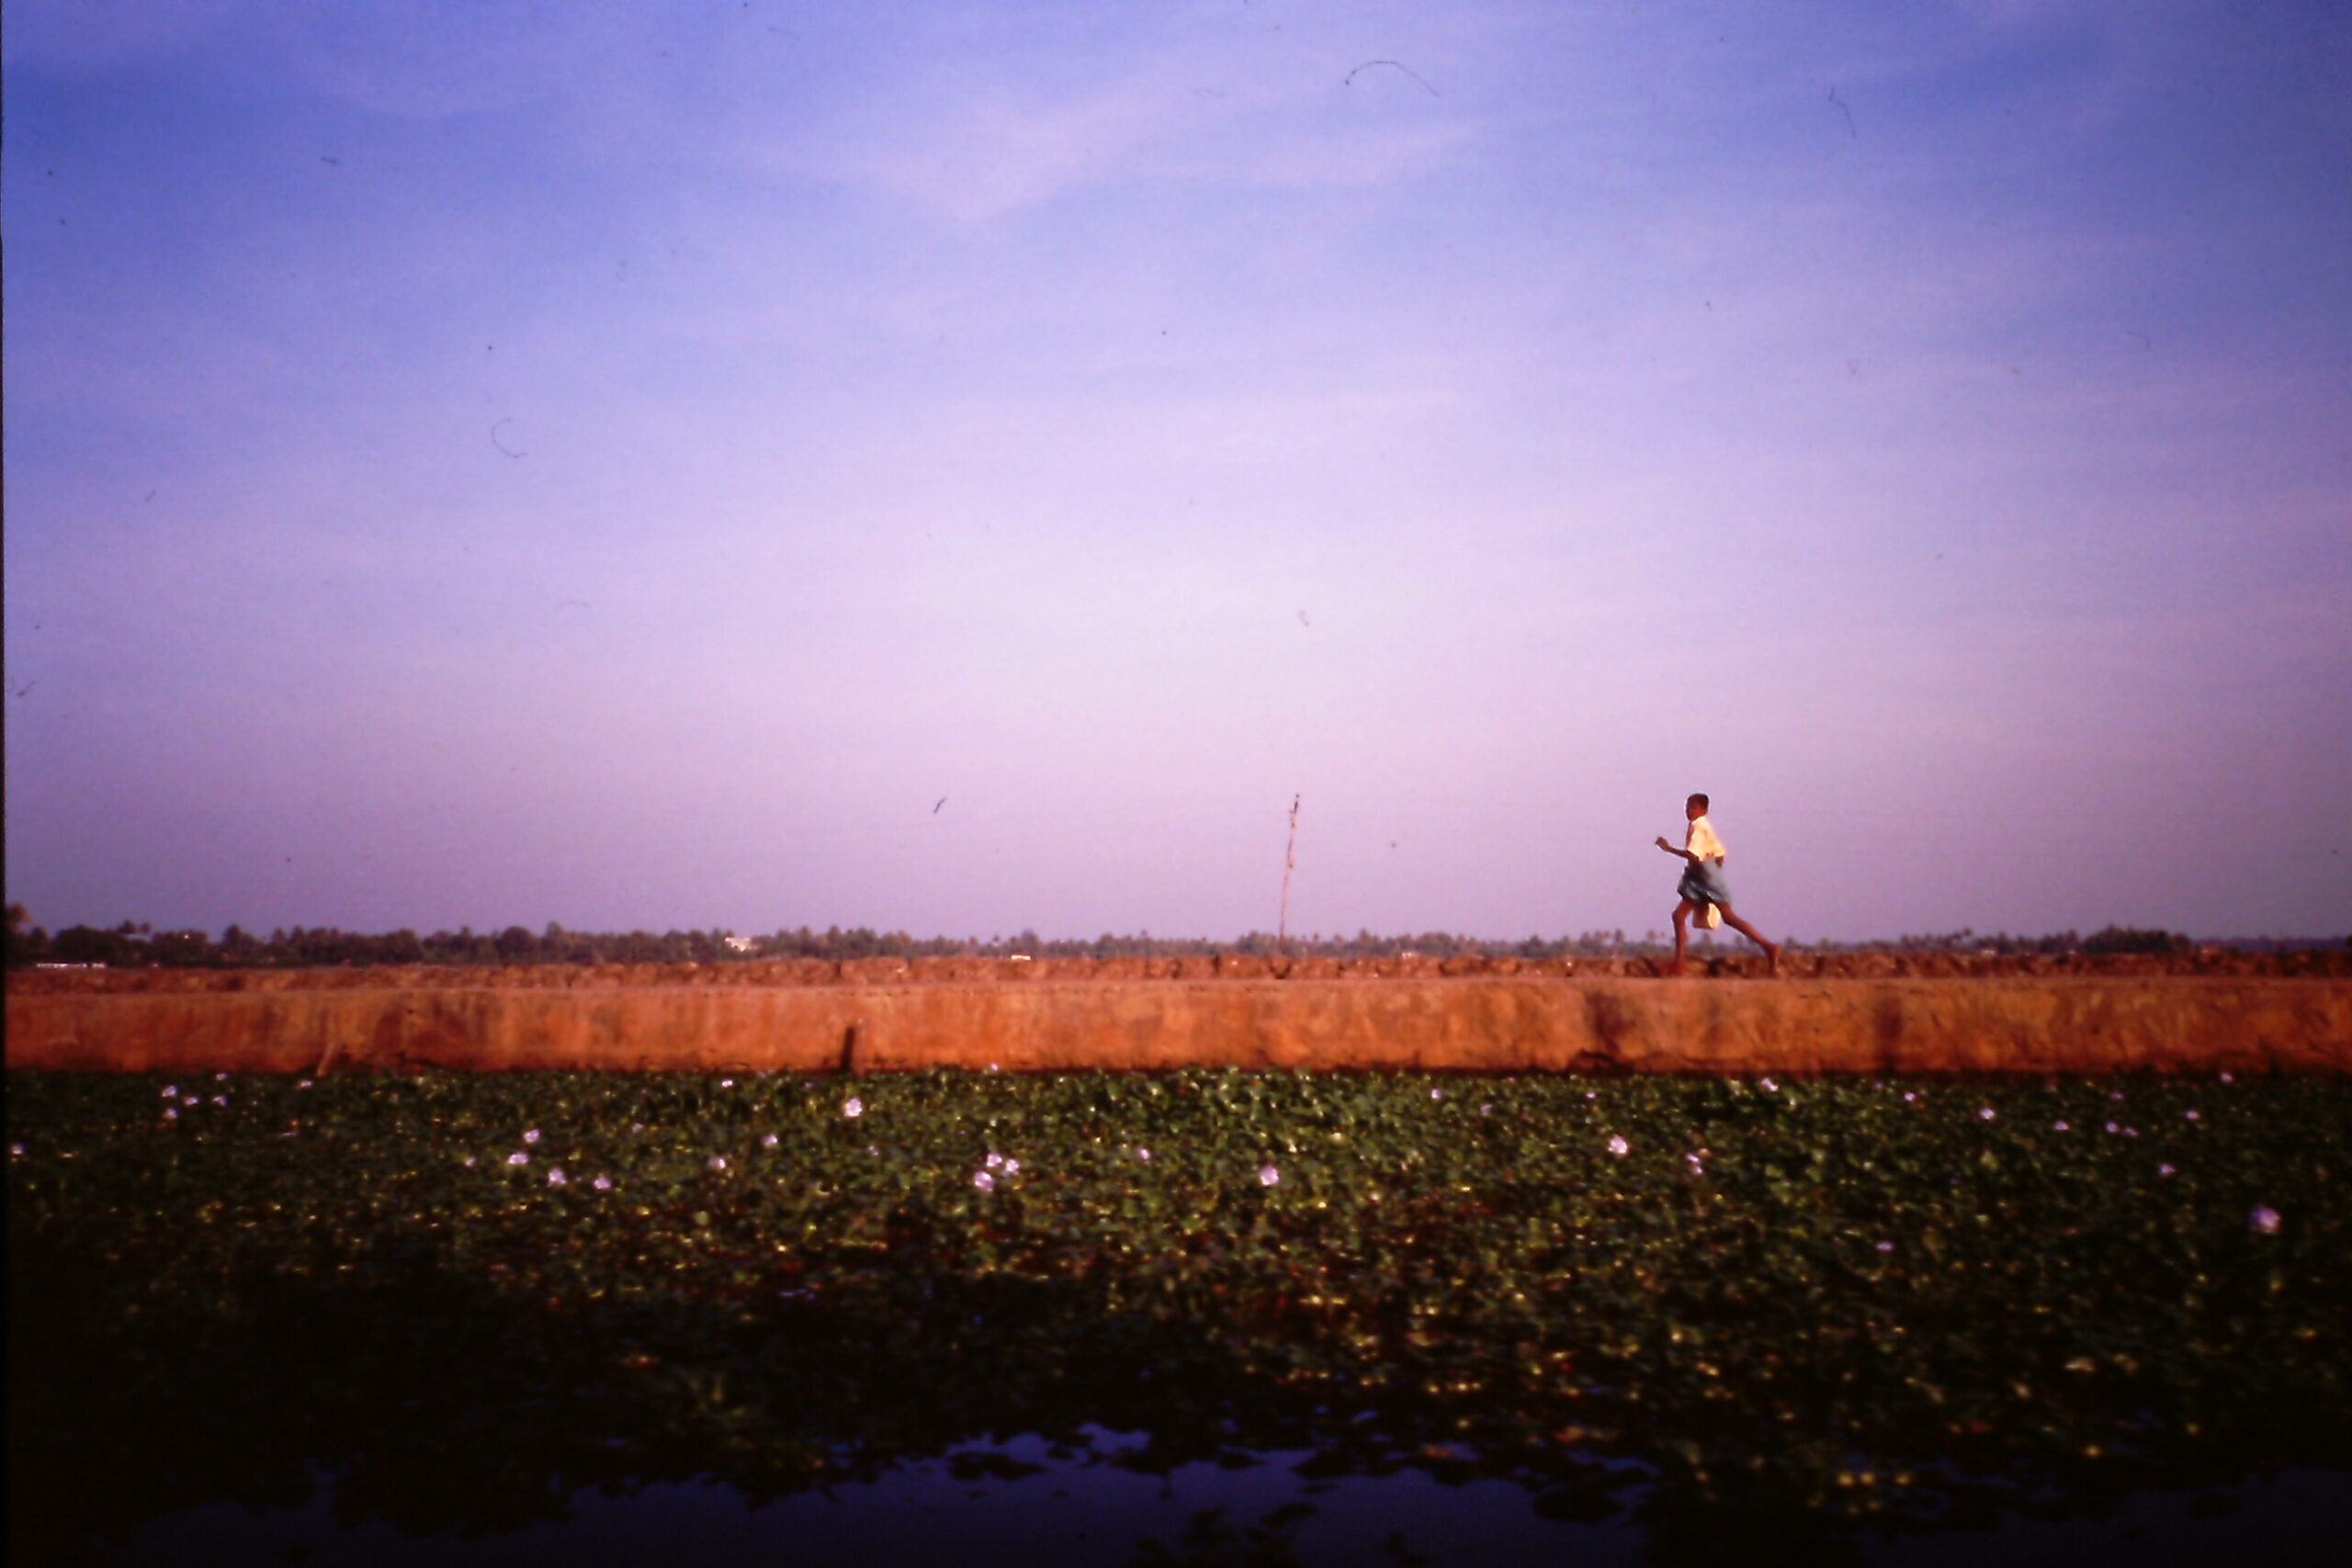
x,y
1518,1023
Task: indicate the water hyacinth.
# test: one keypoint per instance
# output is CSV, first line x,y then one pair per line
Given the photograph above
x,y
518,1158
768,1140
602,1184
1143,1155
1267,1176
2060,1127
853,1108
984,1181
171,1113
2263,1219
531,1135
2163,1170
1985,1113
718,1162
1618,1145
556,1176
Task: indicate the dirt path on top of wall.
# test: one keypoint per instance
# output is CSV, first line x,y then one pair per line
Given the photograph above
x,y
799,972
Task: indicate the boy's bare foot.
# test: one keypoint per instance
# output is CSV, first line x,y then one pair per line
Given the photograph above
x,y
1771,958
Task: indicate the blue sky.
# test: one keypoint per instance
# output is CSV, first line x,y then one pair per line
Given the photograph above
x,y
626,464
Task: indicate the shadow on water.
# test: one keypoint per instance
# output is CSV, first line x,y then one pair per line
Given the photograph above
x,y
923,1414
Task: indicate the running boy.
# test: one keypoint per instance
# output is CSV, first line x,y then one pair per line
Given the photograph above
x,y
1702,884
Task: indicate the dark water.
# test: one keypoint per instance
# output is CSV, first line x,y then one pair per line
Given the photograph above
x,y
965,1510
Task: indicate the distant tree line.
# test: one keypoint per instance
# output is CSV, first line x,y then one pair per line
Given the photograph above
x,y
134,944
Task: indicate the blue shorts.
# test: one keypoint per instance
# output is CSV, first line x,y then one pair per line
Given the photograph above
x,y
1702,883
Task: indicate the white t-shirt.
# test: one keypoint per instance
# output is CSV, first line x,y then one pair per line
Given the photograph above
x,y
1701,840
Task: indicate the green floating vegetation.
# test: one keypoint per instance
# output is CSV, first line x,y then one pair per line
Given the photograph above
x,y
1743,1311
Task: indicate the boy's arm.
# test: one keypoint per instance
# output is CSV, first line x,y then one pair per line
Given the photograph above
x,y
1669,849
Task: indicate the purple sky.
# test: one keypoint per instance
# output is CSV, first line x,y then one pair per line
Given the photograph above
x,y
624,464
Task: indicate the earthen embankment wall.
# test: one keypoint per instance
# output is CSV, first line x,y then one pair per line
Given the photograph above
x,y
1485,1023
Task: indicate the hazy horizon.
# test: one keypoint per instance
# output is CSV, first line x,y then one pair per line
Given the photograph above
x,y
958,469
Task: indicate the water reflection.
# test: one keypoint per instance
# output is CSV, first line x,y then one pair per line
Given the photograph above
x,y
988,1420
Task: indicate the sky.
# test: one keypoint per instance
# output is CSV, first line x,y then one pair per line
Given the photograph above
x,y
968,467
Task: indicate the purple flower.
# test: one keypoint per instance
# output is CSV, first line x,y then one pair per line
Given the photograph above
x,y
767,1140
854,1107
171,1089
1143,1155
518,1158
1985,1113
602,1184
531,1136
984,1181
2164,1171
2060,1127
727,1083
556,1176
718,1162
1267,1174
2194,1114
1886,1246
2265,1219
171,1113
1619,1147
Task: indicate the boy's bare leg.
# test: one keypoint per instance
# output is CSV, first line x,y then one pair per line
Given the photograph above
x,y
1681,932
1772,949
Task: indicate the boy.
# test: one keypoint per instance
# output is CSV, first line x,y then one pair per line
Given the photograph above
x,y
1703,885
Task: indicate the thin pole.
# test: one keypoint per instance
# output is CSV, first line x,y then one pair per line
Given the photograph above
x,y
1290,859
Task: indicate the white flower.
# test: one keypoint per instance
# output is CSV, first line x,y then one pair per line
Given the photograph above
x,y
1013,1168
2263,1219
556,1176
984,1181
518,1158
1267,1174
602,1184
718,1162
532,1136
767,1140
1619,1145
1487,1109
993,1161
304,1084
871,1150
854,1107
1910,1099
469,1162
1985,1113
1769,1086
1696,1169
727,1083
1143,1155
992,1066
1437,1094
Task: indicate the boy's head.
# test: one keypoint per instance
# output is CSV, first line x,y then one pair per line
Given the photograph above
x,y
1694,807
